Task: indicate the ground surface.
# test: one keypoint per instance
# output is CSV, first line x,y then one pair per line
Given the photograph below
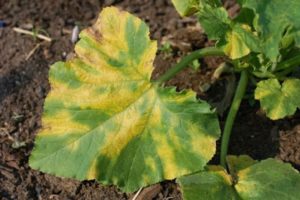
x,y
24,85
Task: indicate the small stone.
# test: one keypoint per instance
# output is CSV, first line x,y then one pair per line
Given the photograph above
x,y
75,34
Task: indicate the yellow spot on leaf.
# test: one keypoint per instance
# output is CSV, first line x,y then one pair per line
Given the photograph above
x,y
248,187
236,47
131,124
146,179
93,170
202,144
170,169
73,146
150,162
63,125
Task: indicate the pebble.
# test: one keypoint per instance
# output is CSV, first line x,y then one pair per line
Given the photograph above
x,y
75,34
64,54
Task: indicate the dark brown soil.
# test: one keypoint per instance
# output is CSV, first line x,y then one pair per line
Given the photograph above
x,y
24,85
289,146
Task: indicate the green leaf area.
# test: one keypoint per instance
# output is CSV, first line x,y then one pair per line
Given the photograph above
x,y
236,39
278,100
262,26
273,18
249,180
104,119
189,7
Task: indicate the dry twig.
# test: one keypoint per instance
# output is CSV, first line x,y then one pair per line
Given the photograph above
x,y
32,51
137,194
40,36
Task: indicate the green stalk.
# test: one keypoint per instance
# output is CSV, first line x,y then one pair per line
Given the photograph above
x,y
289,63
282,69
282,74
239,94
210,51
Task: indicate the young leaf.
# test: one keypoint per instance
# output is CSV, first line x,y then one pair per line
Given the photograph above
x,y
239,42
278,100
235,39
214,20
186,7
274,17
189,7
235,46
268,179
104,119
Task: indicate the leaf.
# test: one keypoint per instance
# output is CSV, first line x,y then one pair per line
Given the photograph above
x,y
233,38
104,119
214,20
268,179
235,46
186,7
189,7
278,101
236,39
273,18
245,16
213,184
213,3
237,163
239,42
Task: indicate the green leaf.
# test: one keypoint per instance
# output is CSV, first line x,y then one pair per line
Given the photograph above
x,y
104,119
213,184
213,3
237,163
186,7
273,18
189,7
245,16
214,20
268,179
236,39
278,101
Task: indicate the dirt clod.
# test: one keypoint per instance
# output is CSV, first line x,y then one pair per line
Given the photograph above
x,y
289,145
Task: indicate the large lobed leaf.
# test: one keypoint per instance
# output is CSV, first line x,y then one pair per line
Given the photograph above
x,y
278,101
104,119
268,179
273,18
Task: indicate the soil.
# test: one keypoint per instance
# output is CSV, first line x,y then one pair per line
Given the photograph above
x,y
24,86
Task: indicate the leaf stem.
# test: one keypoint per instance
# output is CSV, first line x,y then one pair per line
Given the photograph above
x,y
209,51
289,63
239,94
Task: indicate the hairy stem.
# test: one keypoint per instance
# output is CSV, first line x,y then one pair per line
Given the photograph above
x,y
210,51
239,94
